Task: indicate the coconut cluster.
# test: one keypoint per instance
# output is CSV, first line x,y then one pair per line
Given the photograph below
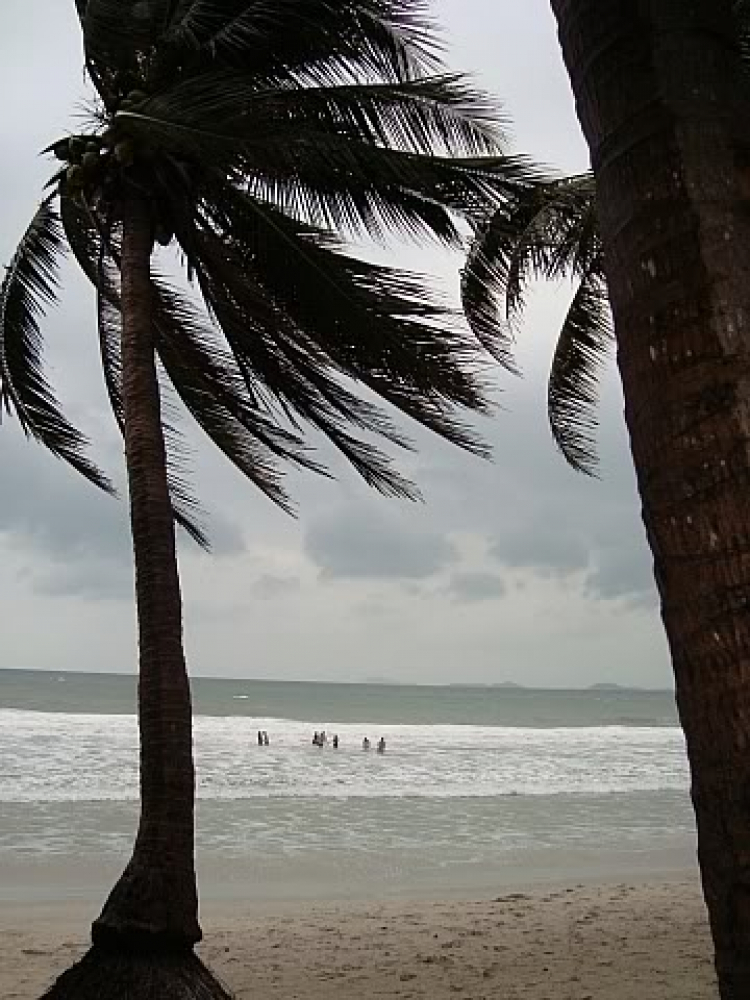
x,y
96,163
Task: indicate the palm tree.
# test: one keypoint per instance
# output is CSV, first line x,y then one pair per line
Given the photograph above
x,y
256,139
661,91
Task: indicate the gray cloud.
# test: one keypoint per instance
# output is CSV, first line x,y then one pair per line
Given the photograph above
x,y
476,586
77,537
365,543
89,580
549,549
270,586
624,572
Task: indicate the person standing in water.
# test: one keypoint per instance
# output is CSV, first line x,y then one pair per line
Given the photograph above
x,y
381,745
336,742
260,738
265,739
365,744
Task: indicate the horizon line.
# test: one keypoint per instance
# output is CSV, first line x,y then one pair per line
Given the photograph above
x,y
372,682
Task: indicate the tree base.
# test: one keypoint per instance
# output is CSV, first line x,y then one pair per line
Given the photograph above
x,y
109,974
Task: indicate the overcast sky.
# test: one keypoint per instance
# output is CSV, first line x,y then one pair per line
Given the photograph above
x,y
516,570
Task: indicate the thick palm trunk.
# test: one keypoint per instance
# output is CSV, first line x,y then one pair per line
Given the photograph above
x,y
659,96
155,902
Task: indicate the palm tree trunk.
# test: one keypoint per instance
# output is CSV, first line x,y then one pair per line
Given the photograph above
x,y
659,95
154,904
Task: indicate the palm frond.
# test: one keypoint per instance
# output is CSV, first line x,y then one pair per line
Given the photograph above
x,y
741,10
352,187
29,286
213,371
360,190
176,324
119,33
294,378
96,245
186,509
582,348
546,230
375,324
391,39
425,115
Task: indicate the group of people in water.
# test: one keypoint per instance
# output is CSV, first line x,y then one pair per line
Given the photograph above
x,y
380,747
320,739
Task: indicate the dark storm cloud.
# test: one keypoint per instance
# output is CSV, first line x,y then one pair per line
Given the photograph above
x,y
476,586
369,543
77,537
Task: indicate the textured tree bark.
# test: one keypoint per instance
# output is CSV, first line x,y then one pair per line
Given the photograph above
x,y
661,100
154,905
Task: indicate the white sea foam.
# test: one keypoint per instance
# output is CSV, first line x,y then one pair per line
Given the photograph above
x,y
56,757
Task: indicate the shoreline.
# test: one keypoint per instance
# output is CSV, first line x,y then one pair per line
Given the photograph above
x,y
342,878
631,938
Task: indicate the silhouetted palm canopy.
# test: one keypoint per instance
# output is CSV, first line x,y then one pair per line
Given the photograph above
x,y
550,231
264,136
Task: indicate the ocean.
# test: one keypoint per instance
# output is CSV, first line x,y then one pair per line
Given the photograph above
x,y
480,787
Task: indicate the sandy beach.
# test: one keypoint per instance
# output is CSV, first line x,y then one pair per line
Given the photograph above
x,y
618,942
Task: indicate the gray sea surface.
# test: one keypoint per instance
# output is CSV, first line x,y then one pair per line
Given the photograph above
x,y
479,788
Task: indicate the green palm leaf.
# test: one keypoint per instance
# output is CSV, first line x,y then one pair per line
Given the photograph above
x,y
29,286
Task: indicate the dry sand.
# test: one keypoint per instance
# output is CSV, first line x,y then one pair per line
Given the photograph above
x,y
616,942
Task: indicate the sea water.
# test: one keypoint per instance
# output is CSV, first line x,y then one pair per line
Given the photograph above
x,y
478,788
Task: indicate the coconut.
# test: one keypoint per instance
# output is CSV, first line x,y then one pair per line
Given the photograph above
x,y
90,160
109,138
163,234
74,175
76,149
124,152
92,147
